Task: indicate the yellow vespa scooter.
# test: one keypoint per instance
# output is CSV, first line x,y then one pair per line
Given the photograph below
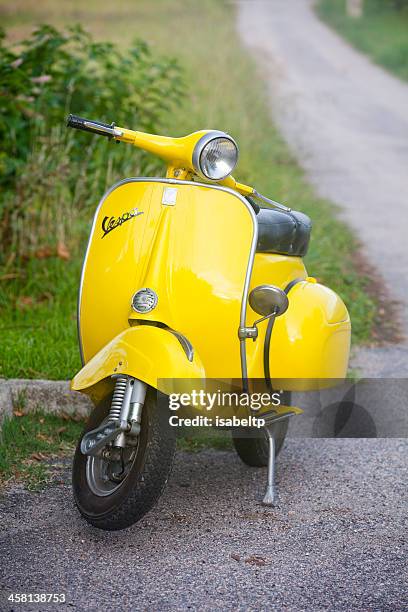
x,y
176,271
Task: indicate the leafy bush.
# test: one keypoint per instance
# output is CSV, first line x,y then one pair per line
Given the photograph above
x,y
48,174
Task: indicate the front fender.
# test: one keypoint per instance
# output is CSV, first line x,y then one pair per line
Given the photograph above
x,y
151,354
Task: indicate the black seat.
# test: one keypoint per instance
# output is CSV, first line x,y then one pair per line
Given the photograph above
x,y
287,233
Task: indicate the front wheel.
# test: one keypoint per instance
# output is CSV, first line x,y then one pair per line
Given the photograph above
x,y
117,489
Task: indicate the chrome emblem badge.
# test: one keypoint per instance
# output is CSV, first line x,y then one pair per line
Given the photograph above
x,y
144,300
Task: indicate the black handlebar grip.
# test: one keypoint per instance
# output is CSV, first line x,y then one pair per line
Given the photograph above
x,y
88,125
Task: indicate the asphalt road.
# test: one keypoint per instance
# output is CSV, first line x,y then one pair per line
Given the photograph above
x,y
346,120
335,542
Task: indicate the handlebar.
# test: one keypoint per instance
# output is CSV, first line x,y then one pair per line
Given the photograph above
x,y
176,152
96,127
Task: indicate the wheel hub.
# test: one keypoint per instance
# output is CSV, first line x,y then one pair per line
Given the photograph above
x,y
107,472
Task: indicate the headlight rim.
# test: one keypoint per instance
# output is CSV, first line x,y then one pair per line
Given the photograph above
x,y
202,143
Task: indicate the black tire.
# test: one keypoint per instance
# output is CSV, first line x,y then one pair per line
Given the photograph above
x,y
145,480
254,450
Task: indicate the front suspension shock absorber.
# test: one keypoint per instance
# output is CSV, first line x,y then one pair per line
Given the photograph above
x,y
124,418
126,407
118,397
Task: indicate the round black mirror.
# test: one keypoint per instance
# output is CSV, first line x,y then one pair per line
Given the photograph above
x,y
268,299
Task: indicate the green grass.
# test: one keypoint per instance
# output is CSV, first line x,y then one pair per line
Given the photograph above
x,y
223,92
29,443
38,321
382,32
32,444
198,438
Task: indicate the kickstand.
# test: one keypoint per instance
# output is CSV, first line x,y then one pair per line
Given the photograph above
x,y
270,494
270,498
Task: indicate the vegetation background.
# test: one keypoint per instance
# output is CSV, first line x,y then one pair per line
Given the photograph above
x,y
381,31
164,66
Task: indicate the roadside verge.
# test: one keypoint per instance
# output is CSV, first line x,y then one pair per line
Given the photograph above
x,y
49,396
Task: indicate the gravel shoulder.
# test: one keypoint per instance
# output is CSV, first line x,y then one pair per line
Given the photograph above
x,y
346,120
210,545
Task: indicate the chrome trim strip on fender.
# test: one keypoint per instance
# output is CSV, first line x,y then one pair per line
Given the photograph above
x,y
185,343
244,302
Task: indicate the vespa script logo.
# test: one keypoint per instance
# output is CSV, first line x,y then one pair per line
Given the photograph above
x,y
111,223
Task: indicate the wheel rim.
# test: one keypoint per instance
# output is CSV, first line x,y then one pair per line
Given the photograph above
x,y
100,474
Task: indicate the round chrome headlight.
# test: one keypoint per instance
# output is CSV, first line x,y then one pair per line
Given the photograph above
x,y
215,155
